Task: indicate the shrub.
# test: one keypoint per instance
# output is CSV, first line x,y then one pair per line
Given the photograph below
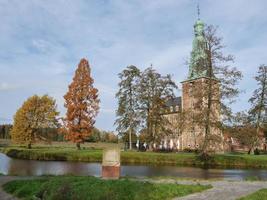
x,y
256,151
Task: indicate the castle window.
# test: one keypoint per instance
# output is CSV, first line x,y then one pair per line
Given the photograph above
x,y
176,108
191,89
192,104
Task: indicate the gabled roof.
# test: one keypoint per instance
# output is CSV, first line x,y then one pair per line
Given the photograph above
x,y
177,101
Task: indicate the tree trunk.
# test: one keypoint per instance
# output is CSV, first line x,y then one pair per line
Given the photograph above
x,y
207,120
78,145
148,122
251,150
130,139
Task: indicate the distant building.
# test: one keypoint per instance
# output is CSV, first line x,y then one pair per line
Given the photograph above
x,y
233,144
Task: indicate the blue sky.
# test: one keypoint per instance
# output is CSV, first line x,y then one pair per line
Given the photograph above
x,y
42,41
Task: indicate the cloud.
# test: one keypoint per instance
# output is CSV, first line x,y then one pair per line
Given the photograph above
x,y
40,45
107,110
5,120
43,41
7,87
106,90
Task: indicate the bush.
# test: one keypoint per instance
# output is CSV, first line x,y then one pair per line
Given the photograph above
x,y
164,150
188,150
206,158
256,151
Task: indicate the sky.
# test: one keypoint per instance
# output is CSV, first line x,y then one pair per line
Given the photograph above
x,y
42,42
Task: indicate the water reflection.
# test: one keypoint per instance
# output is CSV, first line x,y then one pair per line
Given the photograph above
x,y
32,167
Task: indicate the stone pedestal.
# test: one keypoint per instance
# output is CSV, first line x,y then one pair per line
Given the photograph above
x,y
111,163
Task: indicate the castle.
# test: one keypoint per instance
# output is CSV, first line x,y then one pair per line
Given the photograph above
x,y
188,134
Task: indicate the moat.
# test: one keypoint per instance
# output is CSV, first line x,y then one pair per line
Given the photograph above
x,y
32,167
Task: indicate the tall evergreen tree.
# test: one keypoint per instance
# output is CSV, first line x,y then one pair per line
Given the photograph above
x,y
154,90
128,115
82,105
142,98
259,100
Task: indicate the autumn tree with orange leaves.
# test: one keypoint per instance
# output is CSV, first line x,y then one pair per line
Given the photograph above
x,y
82,105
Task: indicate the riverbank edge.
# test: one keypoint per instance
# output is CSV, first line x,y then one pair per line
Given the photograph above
x,y
51,185
244,189
220,161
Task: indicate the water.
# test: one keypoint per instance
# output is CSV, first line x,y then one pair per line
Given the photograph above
x,y
32,167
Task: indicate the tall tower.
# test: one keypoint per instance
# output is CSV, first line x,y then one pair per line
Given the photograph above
x,y
194,95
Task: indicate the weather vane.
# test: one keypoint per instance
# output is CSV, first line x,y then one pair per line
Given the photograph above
x,y
198,10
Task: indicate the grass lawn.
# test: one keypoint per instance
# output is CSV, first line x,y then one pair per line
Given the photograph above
x,y
95,145
92,152
259,195
91,188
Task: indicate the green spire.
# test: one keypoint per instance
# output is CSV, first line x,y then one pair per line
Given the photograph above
x,y
197,67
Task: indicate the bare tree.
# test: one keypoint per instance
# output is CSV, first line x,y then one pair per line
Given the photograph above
x,y
218,88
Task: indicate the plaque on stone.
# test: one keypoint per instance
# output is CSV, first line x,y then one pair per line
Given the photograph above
x,y
111,163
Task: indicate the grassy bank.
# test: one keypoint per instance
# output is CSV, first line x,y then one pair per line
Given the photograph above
x,y
53,144
71,187
259,195
95,155
60,154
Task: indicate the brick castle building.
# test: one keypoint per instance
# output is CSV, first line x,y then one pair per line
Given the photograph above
x,y
188,133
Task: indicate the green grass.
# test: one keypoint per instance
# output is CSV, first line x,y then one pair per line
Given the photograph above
x,y
93,154
240,161
61,154
259,195
91,188
252,178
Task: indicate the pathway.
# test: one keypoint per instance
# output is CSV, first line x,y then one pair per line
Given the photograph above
x,y
225,190
221,190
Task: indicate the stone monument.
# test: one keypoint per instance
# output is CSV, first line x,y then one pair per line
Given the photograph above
x,y
111,163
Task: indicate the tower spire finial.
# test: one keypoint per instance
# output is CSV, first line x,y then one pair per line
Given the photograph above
x,y
198,11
